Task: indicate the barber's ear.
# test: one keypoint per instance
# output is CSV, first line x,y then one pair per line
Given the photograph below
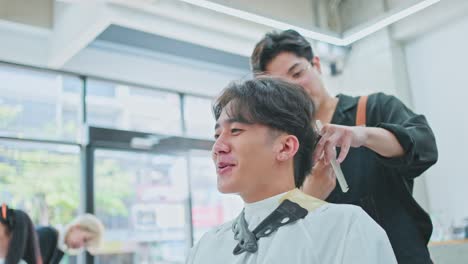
x,y
288,146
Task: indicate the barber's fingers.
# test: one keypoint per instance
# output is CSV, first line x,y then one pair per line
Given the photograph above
x,y
336,136
342,140
318,154
345,146
320,147
329,153
329,141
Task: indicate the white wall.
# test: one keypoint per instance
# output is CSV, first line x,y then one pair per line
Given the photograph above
x,y
367,69
438,73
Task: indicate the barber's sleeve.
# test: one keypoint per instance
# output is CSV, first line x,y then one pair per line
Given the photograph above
x,y
366,242
411,130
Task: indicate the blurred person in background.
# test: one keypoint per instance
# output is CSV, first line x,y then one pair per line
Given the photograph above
x,y
84,232
18,241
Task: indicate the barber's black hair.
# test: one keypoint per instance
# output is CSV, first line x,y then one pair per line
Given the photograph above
x,y
274,43
277,104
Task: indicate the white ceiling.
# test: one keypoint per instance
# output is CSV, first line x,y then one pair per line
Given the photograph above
x,y
36,38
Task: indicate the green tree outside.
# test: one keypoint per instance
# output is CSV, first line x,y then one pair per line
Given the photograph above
x,y
46,184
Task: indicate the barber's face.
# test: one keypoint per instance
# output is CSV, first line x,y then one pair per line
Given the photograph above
x,y
298,70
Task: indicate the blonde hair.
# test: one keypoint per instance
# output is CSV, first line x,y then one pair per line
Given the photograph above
x,y
91,224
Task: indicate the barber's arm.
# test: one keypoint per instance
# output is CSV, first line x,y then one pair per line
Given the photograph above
x,y
412,132
322,180
380,140
399,137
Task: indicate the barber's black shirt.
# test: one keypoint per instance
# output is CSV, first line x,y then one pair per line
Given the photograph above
x,y
383,186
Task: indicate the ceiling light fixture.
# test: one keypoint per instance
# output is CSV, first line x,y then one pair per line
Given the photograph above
x,y
390,18
335,39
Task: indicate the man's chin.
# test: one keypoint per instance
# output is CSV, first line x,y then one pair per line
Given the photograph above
x,y
226,188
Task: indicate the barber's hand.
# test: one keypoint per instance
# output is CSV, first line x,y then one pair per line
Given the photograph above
x,y
339,136
321,182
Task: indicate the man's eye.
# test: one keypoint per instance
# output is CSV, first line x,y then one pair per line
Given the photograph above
x,y
216,136
297,74
235,130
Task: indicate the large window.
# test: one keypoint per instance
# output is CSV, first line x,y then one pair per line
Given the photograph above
x,y
210,208
36,104
199,119
142,200
142,197
132,108
42,179
40,123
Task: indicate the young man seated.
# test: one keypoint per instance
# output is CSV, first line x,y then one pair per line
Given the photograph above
x,y
263,152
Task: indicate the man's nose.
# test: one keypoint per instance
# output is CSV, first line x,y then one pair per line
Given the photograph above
x,y
221,146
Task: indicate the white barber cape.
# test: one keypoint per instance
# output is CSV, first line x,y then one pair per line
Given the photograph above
x,y
329,234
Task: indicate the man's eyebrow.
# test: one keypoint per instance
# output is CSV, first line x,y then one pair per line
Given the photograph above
x,y
234,120
293,67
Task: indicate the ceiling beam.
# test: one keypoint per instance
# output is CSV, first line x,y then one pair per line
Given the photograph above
x,y
441,14
345,39
75,27
180,21
388,18
23,44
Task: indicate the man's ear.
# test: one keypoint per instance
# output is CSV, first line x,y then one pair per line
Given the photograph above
x,y
287,147
316,64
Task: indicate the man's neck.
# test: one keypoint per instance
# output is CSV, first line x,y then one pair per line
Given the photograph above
x,y
265,195
279,180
